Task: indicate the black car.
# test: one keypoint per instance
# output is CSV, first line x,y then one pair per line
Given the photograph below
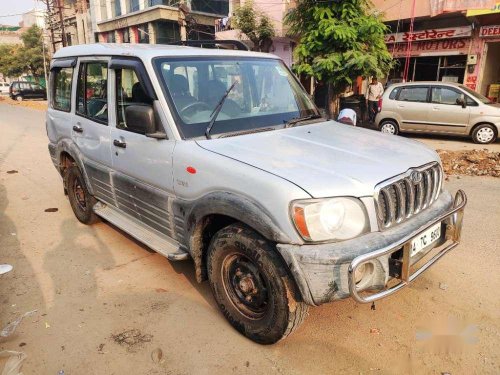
x,y
20,90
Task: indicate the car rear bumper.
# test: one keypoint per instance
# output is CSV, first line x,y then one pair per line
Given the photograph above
x,y
326,272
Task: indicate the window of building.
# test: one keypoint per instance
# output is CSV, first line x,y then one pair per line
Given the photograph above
x,y
61,89
116,7
128,92
167,32
163,2
143,33
413,94
134,5
111,37
125,36
213,7
443,95
92,96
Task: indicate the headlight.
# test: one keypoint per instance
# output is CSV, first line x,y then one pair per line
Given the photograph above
x,y
329,219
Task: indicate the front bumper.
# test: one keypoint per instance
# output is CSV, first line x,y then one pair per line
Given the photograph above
x,y
326,272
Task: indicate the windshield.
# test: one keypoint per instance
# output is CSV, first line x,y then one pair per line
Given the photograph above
x,y
478,96
265,94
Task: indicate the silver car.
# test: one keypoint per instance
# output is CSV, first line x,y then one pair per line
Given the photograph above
x,y
221,157
441,108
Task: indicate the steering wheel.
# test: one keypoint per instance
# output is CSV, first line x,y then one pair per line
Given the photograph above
x,y
192,106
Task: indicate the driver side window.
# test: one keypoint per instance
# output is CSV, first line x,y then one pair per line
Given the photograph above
x,y
129,91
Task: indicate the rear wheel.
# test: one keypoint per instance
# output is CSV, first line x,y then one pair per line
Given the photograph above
x,y
484,134
251,285
80,199
389,127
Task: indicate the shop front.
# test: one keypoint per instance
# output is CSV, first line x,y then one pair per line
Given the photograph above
x,y
435,54
490,62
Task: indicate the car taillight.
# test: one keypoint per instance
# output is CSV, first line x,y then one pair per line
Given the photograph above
x,y
380,105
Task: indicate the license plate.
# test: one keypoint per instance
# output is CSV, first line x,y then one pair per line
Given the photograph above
x,y
425,239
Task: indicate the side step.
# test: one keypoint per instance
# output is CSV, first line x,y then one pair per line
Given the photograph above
x,y
153,239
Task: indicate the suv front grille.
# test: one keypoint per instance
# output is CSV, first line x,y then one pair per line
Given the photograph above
x,y
404,196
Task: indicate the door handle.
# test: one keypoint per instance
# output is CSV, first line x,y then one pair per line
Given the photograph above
x,y
119,143
78,128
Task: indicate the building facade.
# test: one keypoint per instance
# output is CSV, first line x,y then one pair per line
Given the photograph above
x,y
275,9
154,21
444,46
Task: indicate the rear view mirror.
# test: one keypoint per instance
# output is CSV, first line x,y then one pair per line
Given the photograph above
x,y
141,119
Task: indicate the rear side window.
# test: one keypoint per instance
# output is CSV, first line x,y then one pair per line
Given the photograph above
x,y
394,93
61,89
413,94
92,95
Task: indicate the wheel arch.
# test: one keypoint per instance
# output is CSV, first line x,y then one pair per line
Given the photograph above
x,y
215,211
495,128
391,119
67,154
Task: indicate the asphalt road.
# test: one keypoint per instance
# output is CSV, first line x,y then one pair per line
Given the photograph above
x,y
91,283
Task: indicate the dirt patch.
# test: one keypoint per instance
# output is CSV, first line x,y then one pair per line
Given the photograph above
x,y
40,105
132,339
471,163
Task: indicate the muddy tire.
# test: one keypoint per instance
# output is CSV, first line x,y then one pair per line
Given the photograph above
x,y
251,285
79,197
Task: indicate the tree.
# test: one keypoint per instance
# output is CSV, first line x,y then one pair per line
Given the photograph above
x,y
18,59
257,26
339,41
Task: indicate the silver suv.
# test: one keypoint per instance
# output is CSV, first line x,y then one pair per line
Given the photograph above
x,y
438,107
221,157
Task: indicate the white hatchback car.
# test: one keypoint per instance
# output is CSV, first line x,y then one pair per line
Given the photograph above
x,y
4,88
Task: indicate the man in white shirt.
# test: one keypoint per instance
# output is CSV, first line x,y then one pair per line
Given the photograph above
x,y
374,93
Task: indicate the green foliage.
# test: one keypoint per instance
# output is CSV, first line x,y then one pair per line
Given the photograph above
x,y
256,25
16,60
339,41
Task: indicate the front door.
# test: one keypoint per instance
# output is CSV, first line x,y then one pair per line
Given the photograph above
x,y
413,107
447,115
142,166
90,126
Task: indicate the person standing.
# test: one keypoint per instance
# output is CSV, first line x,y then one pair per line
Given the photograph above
x,y
374,93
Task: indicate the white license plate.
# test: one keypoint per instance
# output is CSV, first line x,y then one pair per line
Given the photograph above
x,y
425,239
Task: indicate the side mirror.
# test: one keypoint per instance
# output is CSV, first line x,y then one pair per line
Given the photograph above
x,y
141,119
461,101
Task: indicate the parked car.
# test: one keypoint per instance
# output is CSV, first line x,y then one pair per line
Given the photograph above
x,y
441,108
220,156
20,90
4,88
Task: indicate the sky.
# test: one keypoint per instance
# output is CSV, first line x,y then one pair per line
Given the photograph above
x,y
8,7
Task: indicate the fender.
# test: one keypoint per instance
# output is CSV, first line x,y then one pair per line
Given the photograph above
x,y
68,146
231,205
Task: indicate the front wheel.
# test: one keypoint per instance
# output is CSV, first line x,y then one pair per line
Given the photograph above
x,y
19,98
251,285
484,134
389,127
80,199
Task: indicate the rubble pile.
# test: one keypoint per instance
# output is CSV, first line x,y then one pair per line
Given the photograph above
x,y
471,162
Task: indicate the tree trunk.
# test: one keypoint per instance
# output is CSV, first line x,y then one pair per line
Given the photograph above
x,y
332,104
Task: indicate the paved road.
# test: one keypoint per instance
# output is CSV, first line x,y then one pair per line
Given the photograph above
x,y
92,282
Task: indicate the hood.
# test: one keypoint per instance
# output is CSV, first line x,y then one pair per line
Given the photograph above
x,y
326,159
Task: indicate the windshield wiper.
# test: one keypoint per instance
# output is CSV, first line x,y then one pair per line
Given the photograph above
x,y
296,120
216,111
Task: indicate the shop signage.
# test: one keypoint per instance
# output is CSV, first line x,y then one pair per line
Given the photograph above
x,y
479,12
431,48
489,31
449,6
431,34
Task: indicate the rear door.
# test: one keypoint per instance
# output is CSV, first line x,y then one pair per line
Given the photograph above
x,y
90,128
446,115
413,107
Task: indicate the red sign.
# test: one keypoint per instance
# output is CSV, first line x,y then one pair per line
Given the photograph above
x,y
457,46
432,34
489,31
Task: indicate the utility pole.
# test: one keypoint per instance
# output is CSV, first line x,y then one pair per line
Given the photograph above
x,y
61,19
49,24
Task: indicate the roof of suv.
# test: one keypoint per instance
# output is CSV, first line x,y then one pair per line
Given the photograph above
x,y
148,51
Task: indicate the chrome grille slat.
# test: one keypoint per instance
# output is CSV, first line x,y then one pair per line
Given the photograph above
x,y
404,196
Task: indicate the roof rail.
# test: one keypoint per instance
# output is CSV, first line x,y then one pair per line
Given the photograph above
x,y
218,44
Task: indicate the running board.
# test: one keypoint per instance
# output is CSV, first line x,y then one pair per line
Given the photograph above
x,y
153,239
